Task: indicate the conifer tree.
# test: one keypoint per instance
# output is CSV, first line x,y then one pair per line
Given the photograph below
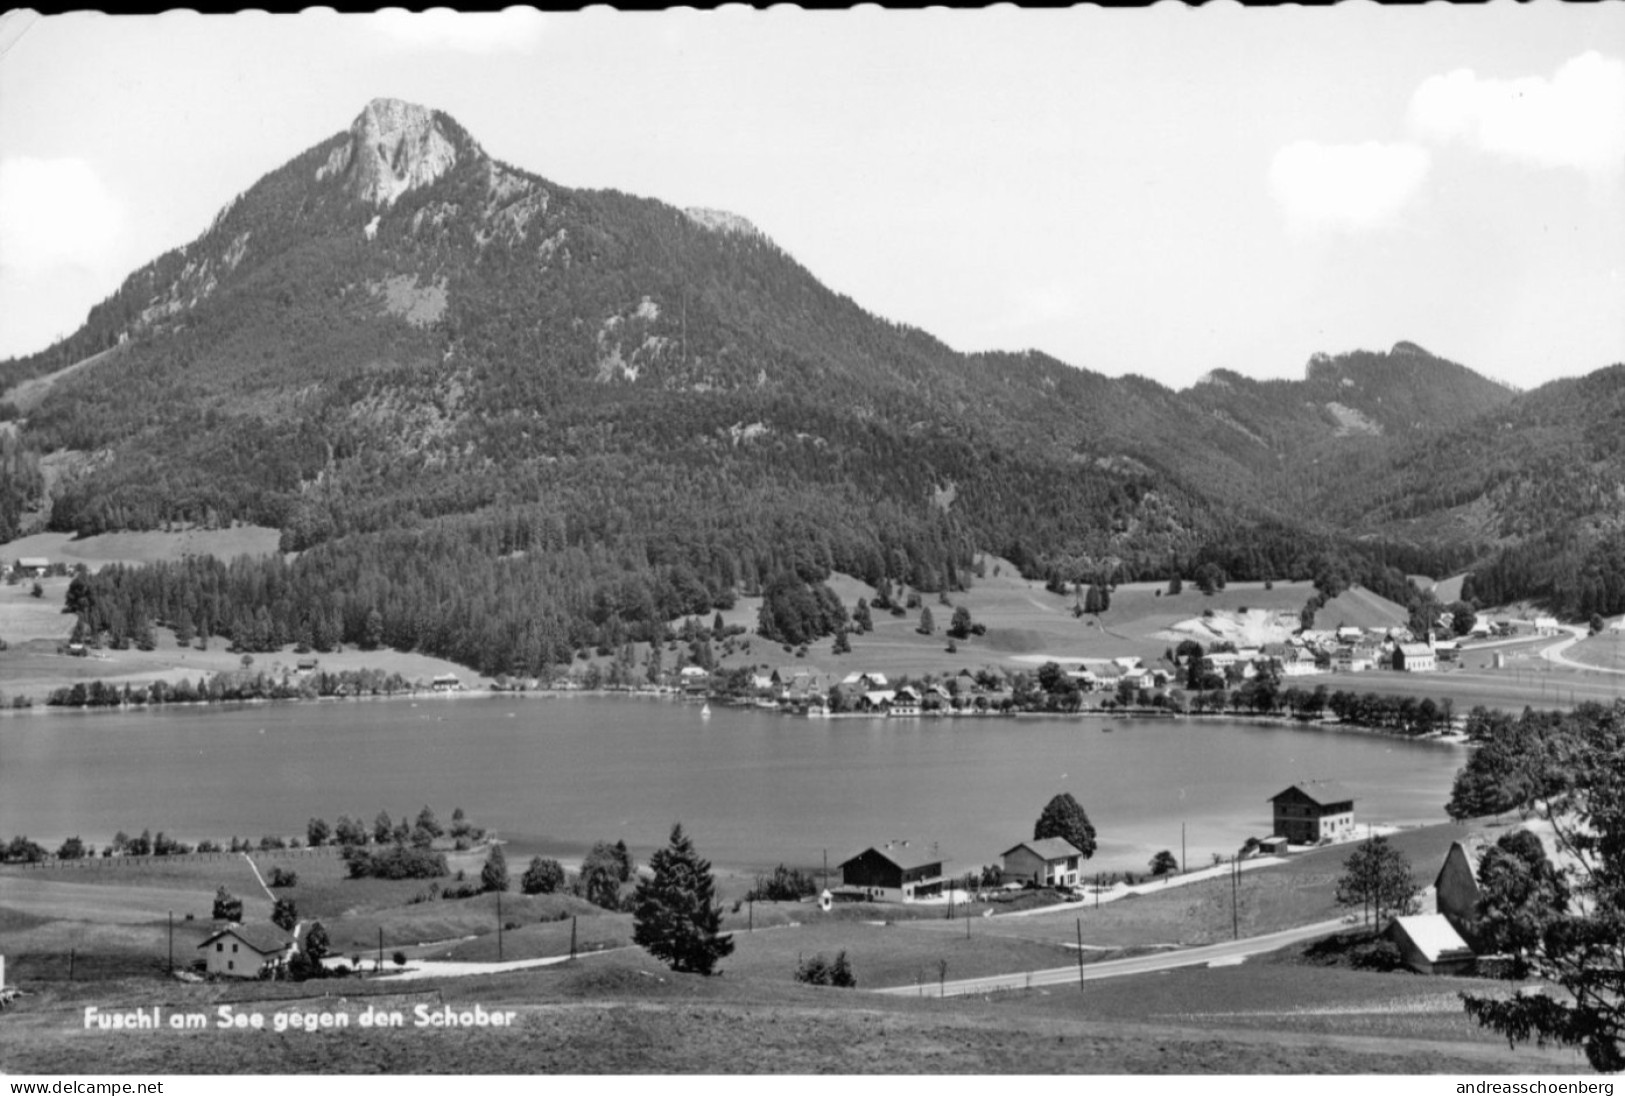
x,y
494,875
227,907
676,918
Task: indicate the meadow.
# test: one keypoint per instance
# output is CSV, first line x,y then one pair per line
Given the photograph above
x,y
619,1011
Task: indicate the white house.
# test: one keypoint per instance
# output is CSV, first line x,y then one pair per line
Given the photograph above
x,y
1047,862
1414,658
242,951
1546,626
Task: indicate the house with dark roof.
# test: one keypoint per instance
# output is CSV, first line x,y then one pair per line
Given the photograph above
x,y
1312,811
242,951
894,872
1047,862
1456,889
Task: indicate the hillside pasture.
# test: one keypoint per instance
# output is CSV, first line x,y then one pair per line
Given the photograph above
x,y
1358,607
26,395
24,617
33,667
1027,624
152,546
1535,684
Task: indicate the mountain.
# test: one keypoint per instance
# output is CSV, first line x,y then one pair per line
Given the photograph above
x,y
506,420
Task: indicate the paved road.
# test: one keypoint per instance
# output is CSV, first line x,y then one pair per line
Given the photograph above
x,y
1229,951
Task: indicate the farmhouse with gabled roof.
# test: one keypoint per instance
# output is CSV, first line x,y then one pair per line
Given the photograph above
x,y
1312,811
242,951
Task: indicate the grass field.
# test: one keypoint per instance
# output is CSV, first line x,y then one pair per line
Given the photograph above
x,y
1528,682
33,627
622,1012
1027,624
1606,649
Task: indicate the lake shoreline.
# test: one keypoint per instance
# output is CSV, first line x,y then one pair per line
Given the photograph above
x,y
551,777
1254,718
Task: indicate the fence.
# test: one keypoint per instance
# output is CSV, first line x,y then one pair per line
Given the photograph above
x,y
125,860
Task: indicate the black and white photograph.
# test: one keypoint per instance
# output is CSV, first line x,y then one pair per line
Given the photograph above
x,y
889,544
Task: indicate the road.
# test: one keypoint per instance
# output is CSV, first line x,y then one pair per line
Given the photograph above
x,y
1227,952
1554,654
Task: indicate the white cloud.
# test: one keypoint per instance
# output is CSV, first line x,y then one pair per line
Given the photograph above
x,y
55,214
1575,119
511,30
1345,187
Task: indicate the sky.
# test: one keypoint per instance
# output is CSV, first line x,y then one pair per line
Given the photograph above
x,y
1159,191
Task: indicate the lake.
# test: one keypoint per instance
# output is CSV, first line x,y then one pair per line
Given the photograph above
x,y
753,787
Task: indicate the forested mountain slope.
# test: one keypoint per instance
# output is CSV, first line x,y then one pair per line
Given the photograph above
x,y
504,419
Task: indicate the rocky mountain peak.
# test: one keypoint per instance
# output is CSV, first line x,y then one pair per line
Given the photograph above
x,y
720,220
392,147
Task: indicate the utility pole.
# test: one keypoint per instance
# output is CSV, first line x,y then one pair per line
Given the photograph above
x,y
1235,898
380,949
572,936
826,869
1183,867
750,915
172,941
499,926
1080,954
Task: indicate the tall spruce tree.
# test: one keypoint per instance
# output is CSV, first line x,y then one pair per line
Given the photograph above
x,y
676,919
494,875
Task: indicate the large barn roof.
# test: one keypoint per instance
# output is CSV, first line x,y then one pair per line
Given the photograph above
x,y
902,854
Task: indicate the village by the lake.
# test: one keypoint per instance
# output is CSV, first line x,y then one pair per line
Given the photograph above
x,y
923,910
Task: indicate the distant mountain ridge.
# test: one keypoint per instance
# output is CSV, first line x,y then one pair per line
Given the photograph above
x,y
395,335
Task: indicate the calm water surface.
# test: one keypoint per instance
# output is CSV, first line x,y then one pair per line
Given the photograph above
x,y
753,787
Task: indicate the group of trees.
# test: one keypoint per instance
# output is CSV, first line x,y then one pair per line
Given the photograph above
x,y
1563,922
543,875
229,686
394,862
795,611
20,850
604,869
420,833
784,885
